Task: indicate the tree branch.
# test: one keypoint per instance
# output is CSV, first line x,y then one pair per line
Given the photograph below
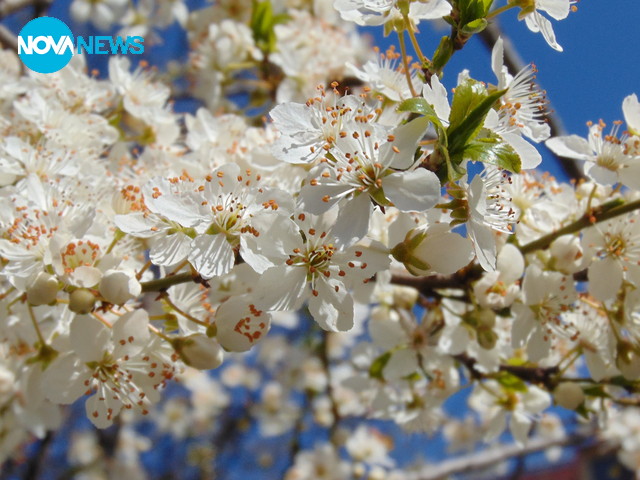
x,y
492,456
8,39
427,286
9,8
164,283
599,214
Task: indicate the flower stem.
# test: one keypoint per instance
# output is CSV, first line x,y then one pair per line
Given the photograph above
x,y
183,313
498,11
36,326
405,63
414,41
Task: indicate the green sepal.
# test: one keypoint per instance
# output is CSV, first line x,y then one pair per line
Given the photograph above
x,y
475,26
510,382
596,391
375,371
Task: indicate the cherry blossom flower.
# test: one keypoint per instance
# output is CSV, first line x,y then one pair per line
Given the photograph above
x,y
607,159
536,22
614,248
519,407
322,270
378,12
367,167
114,367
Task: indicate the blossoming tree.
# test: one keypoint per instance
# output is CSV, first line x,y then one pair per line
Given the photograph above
x,y
339,237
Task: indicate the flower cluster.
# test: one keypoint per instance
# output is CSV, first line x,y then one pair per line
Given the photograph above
x,y
399,225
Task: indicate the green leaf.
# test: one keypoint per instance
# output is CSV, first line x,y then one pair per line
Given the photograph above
x,y
510,382
471,10
262,25
475,26
375,371
468,95
469,107
487,5
491,150
417,105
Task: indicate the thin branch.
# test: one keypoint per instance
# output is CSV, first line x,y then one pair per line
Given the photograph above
x,y
427,286
514,64
495,455
9,8
162,284
326,364
604,212
8,39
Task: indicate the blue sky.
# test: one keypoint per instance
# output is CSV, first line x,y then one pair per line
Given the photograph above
x,y
599,67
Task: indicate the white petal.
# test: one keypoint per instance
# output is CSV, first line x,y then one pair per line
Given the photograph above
x,y
631,110
510,263
436,96
445,253
87,277
313,196
170,250
558,9
599,174
332,307
131,333
496,425
605,278
484,243
497,58
89,338
535,400
137,224
353,220
406,138
289,294
571,146
240,324
401,364
529,155
414,191
63,380
520,425
211,255
544,26
538,345
97,410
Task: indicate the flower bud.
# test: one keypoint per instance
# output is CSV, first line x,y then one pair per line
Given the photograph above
x,y
199,351
119,286
567,254
487,338
433,250
627,360
568,395
43,290
405,297
81,301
